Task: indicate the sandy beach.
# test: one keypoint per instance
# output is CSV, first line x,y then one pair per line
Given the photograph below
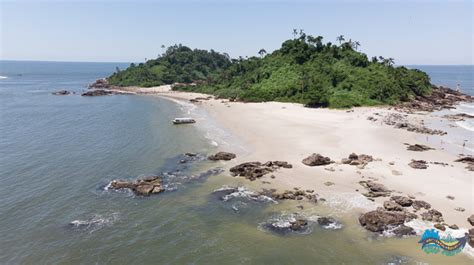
x,y
291,132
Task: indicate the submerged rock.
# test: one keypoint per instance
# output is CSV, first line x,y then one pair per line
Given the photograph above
x,y
254,170
317,160
381,220
222,156
62,93
403,230
97,92
142,187
285,224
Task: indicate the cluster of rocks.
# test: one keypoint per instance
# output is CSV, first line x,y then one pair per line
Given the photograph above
x,y
222,156
255,170
98,92
400,121
357,160
468,160
142,187
100,84
440,98
199,99
458,117
296,194
418,147
374,189
381,220
418,164
317,160
62,93
284,224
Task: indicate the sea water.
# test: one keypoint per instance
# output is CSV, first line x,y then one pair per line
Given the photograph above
x,y
59,153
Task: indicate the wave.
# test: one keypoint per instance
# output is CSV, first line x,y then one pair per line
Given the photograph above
x,y
94,223
467,108
467,125
3,77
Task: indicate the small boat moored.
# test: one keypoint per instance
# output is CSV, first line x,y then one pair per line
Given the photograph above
x,y
183,120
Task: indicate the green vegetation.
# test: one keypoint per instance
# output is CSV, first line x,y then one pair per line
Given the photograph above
x,y
178,64
303,70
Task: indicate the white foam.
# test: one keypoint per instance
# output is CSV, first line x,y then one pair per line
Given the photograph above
x,y
467,125
348,201
3,77
243,192
95,223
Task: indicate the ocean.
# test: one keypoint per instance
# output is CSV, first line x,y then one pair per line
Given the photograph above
x,y
58,154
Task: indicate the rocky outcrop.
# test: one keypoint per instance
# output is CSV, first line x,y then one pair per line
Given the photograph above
x,y
100,84
296,194
374,189
402,200
418,148
381,220
317,160
418,204
392,206
403,230
142,187
222,156
62,93
439,98
97,92
433,216
418,164
469,160
357,160
470,219
401,121
471,237
458,117
255,170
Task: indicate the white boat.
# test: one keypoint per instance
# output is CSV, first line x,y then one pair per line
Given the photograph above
x,y
183,120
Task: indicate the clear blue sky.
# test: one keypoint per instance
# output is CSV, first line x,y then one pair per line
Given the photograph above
x,y
412,32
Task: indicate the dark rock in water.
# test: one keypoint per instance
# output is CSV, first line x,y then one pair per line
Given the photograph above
x,y
222,156
317,160
381,220
254,170
190,154
403,230
298,224
100,84
469,160
458,117
329,222
418,164
392,206
61,93
433,216
418,148
285,224
471,237
291,195
439,98
141,187
97,92
418,204
470,219
402,200
357,160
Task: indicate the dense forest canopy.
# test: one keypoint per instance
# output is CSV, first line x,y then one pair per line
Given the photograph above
x,y
303,70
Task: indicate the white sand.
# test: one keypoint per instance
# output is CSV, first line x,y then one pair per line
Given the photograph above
x,y
290,132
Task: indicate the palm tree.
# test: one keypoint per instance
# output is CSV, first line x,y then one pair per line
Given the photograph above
x,y
390,61
262,52
340,39
356,45
295,32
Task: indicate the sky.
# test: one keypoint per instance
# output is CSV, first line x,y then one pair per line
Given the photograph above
x,y
412,32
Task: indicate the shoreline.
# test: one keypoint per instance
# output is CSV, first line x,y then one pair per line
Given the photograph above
x,y
263,129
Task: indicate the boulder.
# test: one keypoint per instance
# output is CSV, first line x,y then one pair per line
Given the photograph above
x,y
392,206
222,156
97,92
380,220
317,160
418,148
418,164
433,216
402,200
469,160
100,84
403,230
418,204
357,160
298,224
142,187
471,237
374,189
470,219
254,170
61,93
440,227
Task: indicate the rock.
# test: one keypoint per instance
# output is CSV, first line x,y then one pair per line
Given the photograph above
x,y
402,200
454,227
418,148
317,160
403,230
392,206
374,189
418,204
329,222
471,237
190,154
142,187
100,84
458,117
469,160
222,156
450,197
379,220
470,219
97,92
254,170
433,216
328,183
440,227
418,164
298,224
61,93
357,160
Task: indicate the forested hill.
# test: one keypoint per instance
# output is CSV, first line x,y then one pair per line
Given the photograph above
x,y
178,64
303,70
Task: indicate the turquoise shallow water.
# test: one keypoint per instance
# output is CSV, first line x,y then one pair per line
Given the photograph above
x,y
57,153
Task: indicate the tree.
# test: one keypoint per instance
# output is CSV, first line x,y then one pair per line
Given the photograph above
x,y
262,52
340,39
295,33
356,45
